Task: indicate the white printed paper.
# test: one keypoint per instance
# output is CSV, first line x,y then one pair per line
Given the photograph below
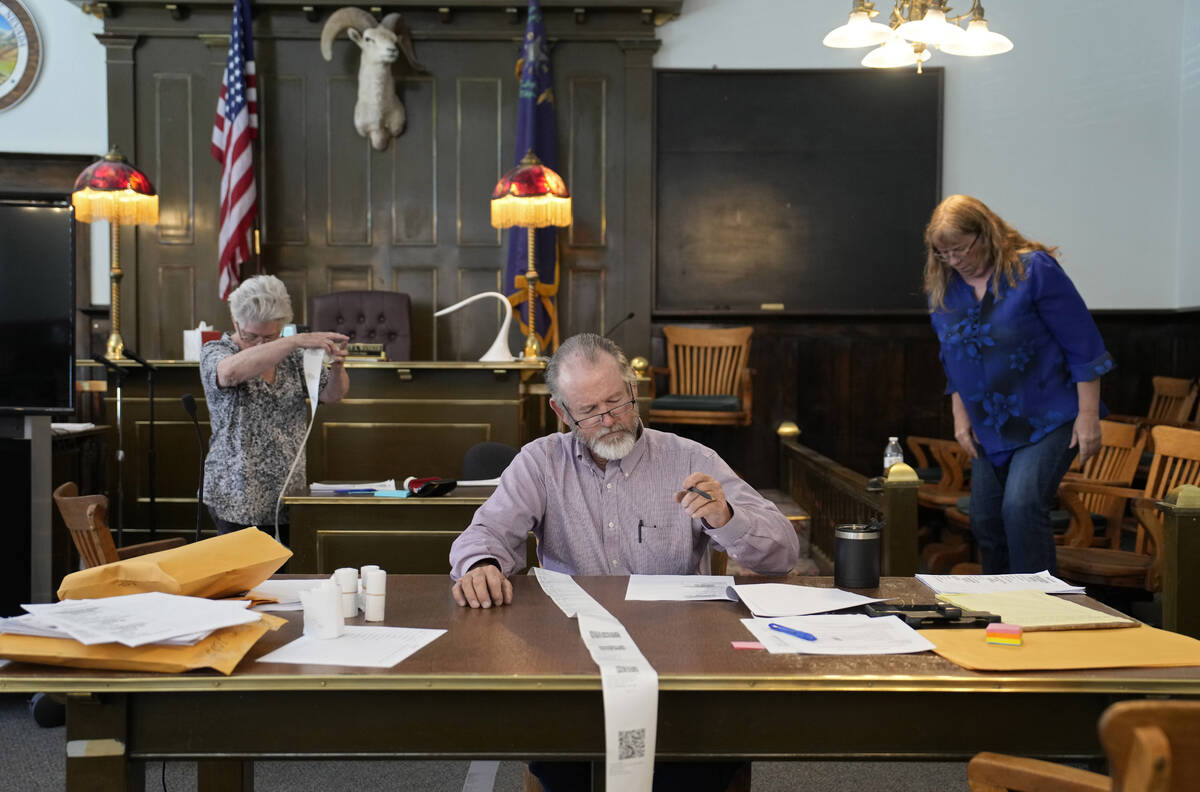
x,y
140,619
361,647
784,599
628,682
853,634
986,584
647,588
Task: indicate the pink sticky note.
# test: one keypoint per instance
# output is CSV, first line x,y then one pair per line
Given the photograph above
x,y
747,645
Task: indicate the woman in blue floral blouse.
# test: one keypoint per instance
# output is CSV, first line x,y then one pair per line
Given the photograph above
x,y
1023,360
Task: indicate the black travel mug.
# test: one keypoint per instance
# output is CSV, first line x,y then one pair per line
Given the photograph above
x,y
856,556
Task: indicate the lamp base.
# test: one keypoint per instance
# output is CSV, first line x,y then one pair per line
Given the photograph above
x,y
115,348
533,347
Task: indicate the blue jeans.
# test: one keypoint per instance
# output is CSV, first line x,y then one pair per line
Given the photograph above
x,y
1010,504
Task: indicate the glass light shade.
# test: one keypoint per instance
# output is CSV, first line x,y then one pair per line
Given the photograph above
x,y
860,31
112,189
531,195
933,30
978,41
894,53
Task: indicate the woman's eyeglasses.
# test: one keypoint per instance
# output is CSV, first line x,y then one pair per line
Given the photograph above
x,y
946,255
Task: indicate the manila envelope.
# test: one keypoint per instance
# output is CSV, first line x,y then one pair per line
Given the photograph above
x,y
217,567
222,650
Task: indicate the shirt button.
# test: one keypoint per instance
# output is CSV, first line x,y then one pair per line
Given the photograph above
x,y
614,562
610,525
608,486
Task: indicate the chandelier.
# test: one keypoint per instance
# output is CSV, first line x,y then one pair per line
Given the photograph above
x,y
915,27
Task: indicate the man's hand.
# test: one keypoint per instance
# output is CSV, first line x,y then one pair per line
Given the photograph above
x,y
712,509
483,587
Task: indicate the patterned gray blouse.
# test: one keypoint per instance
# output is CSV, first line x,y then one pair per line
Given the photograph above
x,y
257,428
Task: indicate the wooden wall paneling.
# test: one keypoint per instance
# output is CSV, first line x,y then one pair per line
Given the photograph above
x,y
583,300
340,279
478,104
587,160
175,301
283,149
414,158
295,279
633,291
174,168
348,207
421,286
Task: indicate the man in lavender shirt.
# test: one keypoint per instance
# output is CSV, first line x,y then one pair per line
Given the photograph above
x,y
612,497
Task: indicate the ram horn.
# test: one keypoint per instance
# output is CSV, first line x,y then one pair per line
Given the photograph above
x,y
340,20
396,24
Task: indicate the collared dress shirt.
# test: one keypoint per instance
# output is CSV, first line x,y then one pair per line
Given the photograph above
x,y
1015,361
623,519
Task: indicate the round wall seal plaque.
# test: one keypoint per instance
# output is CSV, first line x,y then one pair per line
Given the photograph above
x,y
20,52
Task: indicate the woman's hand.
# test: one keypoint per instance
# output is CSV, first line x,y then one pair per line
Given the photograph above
x,y
331,343
1086,435
963,432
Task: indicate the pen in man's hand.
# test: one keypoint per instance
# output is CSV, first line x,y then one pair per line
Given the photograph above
x,y
789,631
700,492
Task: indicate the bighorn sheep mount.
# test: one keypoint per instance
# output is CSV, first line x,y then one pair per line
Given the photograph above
x,y
378,113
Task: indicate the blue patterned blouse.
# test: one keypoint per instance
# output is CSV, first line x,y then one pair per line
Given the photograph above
x,y
1015,361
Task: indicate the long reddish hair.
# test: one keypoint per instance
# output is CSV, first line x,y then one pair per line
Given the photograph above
x,y
1002,245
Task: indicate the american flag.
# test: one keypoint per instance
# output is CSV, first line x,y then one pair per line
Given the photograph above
x,y
235,127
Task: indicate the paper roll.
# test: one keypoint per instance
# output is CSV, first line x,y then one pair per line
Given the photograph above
x,y
373,606
323,611
346,578
375,582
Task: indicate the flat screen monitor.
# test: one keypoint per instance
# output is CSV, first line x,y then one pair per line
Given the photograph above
x,y
37,307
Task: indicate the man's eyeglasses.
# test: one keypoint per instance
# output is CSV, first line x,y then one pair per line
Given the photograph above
x,y
595,420
945,255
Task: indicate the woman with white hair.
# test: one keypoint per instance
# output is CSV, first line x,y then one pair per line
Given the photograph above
x,y
254,383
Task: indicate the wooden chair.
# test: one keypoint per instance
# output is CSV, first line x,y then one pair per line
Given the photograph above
x,y
1176,461
708,381
1116,463
951,463
86,517
1170,403
1152,746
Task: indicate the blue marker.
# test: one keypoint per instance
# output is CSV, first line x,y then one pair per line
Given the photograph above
x,y
790,631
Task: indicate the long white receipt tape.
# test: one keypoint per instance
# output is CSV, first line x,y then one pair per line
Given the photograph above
x,y
323,611
628,682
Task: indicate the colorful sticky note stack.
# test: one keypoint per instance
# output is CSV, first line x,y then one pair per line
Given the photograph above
x,y
1004,634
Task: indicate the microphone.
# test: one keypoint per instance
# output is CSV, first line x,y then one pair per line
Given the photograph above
x,y
135,357
189,404
612,329
109,365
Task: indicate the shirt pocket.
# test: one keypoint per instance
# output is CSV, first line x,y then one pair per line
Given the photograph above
x,y
664,542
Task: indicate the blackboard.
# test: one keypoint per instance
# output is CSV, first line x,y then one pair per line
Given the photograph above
x,y
808,190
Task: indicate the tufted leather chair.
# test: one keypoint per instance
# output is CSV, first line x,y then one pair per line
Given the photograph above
x,y
368,317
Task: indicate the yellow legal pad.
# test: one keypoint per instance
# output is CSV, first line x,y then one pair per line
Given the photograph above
x,y
1036,610
1134,647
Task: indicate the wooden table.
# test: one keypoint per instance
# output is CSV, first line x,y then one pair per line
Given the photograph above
x,y
516,682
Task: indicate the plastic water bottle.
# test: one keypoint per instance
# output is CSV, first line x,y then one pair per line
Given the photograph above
x,y
892,454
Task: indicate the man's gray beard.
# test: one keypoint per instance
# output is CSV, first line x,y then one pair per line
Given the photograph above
x,y
619,443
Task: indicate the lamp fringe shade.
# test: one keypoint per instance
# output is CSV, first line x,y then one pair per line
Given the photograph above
x,y
111,189
531,195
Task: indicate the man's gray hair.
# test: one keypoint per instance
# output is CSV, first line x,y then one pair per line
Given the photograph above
x,y
262,298
587,347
